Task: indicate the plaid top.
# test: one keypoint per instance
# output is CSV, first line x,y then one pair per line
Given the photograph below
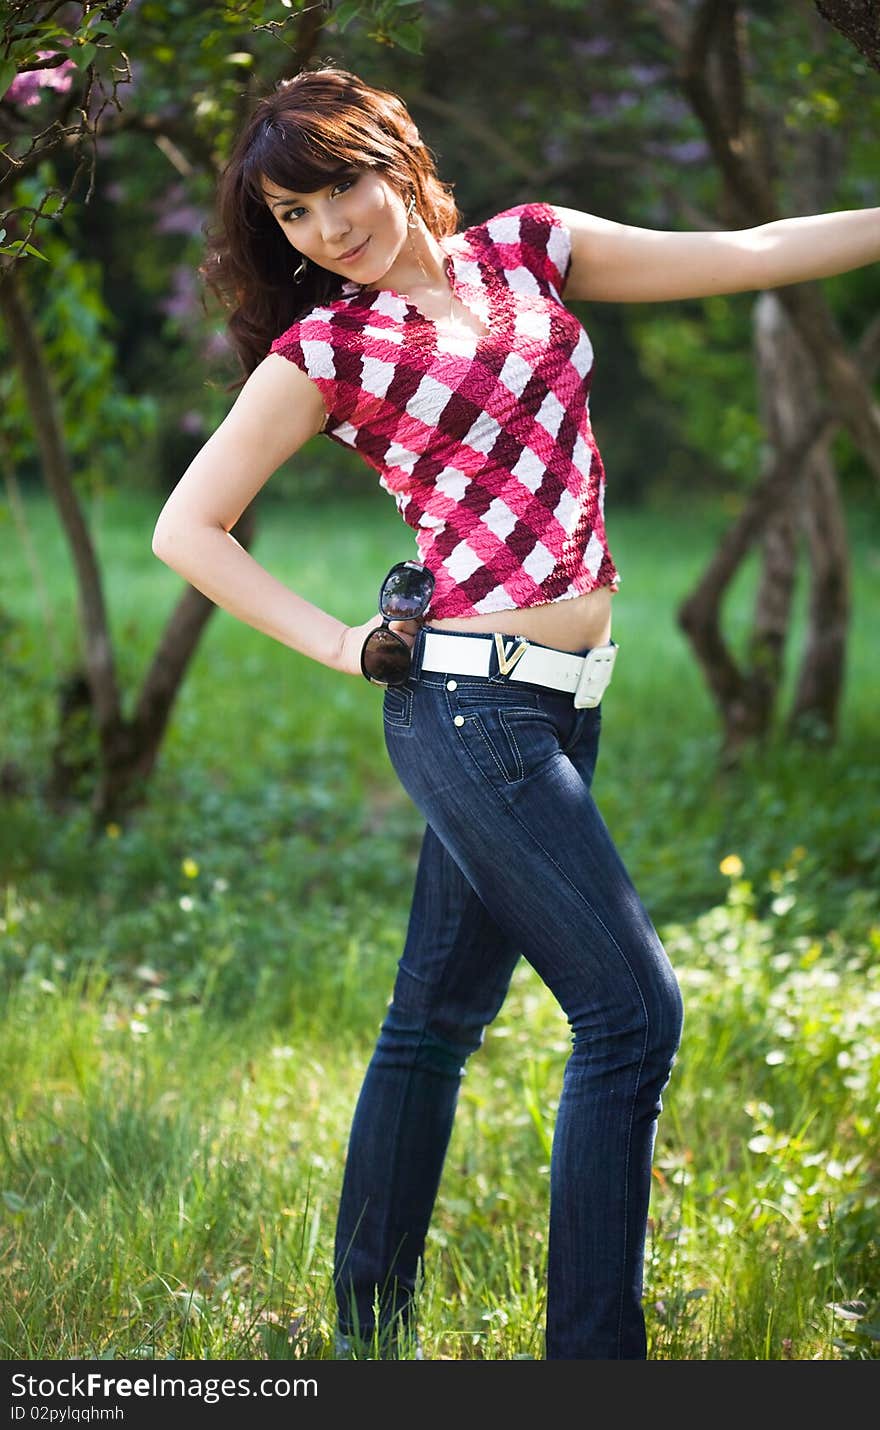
x,y
484,442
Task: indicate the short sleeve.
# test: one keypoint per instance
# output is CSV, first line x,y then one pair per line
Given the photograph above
x,y
531,242
313,355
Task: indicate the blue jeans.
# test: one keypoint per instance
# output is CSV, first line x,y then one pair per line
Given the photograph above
x,y
516,860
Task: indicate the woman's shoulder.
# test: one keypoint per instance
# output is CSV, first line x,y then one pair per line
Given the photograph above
x,y
334,321
531,211
527,236
532,221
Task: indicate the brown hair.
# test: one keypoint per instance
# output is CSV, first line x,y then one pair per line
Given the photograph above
x,y
304,135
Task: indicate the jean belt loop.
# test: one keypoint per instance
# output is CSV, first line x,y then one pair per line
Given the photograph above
x,y
418,650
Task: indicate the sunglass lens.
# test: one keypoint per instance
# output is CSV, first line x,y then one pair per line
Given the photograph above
x,y
405,593
386,657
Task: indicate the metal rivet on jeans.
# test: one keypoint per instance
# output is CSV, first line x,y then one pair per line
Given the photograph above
x,y
459,720
452,685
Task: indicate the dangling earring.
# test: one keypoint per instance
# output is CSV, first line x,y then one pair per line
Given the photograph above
x,y
410,211
300,273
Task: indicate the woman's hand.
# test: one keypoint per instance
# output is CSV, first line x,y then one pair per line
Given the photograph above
x,y
354,637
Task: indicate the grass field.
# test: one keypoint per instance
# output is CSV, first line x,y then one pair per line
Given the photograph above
x,y
190,1001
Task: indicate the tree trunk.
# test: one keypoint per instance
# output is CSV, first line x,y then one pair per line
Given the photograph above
x,y
709,43
783,380
44,408
699,615
747,694
772,615
799,489
816,705
123,777
98,753
858,21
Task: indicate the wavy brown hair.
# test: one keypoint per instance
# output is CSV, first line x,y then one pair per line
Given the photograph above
x,y
307,133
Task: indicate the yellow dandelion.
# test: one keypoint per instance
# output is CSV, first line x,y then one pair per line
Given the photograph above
x,y
113,831
732,866
190,868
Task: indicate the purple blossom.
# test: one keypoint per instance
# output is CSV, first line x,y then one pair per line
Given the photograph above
x,y
181,301
605,105
688,151
595,49
186,219
26,89
647,74
192,423
555,150
176,213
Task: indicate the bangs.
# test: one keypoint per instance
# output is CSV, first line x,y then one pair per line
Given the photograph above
x,y
310,153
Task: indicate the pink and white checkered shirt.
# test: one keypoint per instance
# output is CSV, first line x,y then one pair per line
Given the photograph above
x,y
484,442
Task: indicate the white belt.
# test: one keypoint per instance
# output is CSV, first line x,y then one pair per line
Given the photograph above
x,y
586,677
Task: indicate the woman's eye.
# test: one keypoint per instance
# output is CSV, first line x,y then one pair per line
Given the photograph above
x,y
337,188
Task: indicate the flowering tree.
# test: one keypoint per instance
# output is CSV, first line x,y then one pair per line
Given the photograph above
x,y
664,112
812,382
69,88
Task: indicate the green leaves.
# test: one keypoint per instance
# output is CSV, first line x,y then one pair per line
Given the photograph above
x,y
8,71
387,27
18,246
346,13
102,422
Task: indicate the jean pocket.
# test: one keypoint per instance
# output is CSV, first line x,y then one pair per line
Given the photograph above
x,y
488,732
397,706
478,694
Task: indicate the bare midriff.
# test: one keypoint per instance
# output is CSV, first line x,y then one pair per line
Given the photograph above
x,y
576,624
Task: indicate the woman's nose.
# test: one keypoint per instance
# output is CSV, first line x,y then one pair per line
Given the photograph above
x,y
334,228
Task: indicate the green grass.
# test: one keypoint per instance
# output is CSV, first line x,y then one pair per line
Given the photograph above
x,y
190,1001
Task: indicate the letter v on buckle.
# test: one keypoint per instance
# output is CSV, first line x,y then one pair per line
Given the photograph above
x,y
507,662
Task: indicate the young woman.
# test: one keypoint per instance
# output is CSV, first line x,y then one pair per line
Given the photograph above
x,y
450,362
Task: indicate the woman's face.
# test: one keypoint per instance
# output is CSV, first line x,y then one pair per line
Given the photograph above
x,y
355,227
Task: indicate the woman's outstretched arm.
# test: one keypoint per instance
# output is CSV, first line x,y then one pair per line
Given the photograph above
x,y
615,262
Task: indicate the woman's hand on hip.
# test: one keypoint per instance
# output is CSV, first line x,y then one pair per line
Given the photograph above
x,y
354,637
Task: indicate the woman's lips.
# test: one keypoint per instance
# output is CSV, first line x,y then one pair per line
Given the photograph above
x,y
353,253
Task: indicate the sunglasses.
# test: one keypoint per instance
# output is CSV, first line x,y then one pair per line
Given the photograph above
x,y
405,595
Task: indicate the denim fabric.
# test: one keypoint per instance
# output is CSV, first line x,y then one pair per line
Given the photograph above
x,y
516,861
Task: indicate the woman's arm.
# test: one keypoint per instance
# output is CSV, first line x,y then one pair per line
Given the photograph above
x,y
614,262
276,411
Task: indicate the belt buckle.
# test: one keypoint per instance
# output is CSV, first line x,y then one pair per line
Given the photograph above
x,y
509,657
595,676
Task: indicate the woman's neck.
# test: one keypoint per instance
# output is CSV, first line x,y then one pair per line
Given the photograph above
x,y
420,265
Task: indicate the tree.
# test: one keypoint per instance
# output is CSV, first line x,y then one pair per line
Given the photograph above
x,y
797,333
77,57
658,113
858,21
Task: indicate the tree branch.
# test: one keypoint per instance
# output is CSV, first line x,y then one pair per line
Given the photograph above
x,y
39,392
858,21
749,186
